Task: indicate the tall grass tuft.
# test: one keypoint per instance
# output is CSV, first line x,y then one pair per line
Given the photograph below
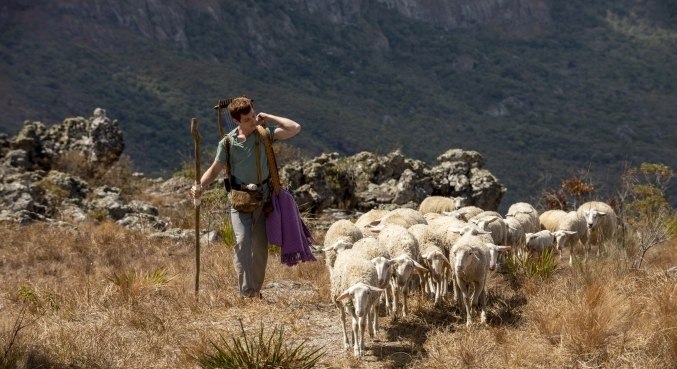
x,y
259,352
543,266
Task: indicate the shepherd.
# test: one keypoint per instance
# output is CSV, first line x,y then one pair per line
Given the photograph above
x,y
240,153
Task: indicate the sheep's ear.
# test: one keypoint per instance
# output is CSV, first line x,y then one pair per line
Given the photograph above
x,y
602,213
329,248
491,218
374,223
343,296
570,232
376,289
455,230
419,267
445,260
427,255
479,231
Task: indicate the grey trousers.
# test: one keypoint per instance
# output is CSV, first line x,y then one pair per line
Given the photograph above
x,y
251,250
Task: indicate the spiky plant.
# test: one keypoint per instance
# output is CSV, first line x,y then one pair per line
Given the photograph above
x,y
259,352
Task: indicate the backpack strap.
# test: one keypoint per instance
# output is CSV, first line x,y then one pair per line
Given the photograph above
x,y
272,162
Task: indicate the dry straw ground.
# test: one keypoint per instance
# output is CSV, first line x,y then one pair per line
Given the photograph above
x,y
101,296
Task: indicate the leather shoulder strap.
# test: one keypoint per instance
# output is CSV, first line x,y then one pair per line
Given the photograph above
x,y
227,142
272,162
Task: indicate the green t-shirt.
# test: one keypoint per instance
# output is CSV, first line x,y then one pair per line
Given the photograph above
x,y
243,156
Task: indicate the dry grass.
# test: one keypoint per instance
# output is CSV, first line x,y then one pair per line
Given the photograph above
x,y
100,296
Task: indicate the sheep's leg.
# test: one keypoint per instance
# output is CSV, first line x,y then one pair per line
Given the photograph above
x,y
356,336
373,321
571,254
405,305
482,303
389,299
395,302
463,292
346,343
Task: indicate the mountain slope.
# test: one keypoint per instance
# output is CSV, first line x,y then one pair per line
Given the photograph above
x,y
544,90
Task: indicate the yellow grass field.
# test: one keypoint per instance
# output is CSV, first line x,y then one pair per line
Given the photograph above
x,y
101,296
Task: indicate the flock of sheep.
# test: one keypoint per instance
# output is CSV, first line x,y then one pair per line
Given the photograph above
x,y
444,244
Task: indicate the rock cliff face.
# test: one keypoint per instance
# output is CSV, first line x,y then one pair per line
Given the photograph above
x,y
509,16
101,20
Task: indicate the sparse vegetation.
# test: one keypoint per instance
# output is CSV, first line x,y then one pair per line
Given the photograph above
x,y
260,352
109,297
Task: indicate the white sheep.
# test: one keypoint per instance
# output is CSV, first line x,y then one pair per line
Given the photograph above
x,y
368,248
353,289
515,234
575,224
368,218
439,204
340,236
404,217
539,241
403,249
601,221
439,267
467,212
472,258
493,224
526,214
550,219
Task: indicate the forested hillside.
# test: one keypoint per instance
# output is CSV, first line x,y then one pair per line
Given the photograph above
x,y
545,90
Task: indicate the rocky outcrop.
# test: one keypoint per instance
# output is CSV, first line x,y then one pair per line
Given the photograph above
x,y
365,181
37,185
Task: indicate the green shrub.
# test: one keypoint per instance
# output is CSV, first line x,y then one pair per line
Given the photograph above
x,y
259,352
543,266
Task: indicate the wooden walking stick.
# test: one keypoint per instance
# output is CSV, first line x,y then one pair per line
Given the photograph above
x,y
196,202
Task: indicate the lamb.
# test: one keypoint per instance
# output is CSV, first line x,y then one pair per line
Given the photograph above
x,y
472,260
438,265
550,219
340,236
403,249
368,248
539,241
439,204
601,221
526,214
575,224
353,289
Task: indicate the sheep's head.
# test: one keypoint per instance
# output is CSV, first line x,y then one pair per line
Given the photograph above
x,y
494,250
361,296
437,261
404,265
465,258
384,269
592,217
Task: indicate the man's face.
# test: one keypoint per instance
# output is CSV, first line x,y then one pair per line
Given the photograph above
x,y
248,120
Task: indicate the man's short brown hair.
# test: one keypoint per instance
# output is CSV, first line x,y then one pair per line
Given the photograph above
x,y
240,105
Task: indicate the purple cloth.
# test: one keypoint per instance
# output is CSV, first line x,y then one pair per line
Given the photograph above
x,y
286,229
